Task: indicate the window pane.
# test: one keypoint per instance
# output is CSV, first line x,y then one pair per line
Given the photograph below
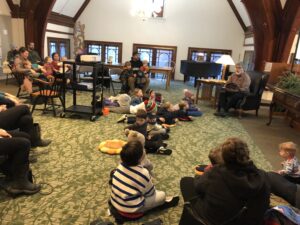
x,y
215,56
52,47
113,52
146,54
164,58
94,49
62,49
199,56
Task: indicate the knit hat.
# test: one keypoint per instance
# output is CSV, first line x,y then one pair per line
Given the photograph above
x,y
124,100
150,106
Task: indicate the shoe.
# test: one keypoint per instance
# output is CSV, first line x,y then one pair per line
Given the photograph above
x,y
164,151
170,202
165,136
165,145
41,143
122,119
220,114
24,187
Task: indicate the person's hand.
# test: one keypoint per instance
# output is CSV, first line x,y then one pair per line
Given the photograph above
x,y
162,119
4,134
3,108
134,75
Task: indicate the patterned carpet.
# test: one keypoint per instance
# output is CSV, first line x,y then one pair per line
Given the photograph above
x,y
79,173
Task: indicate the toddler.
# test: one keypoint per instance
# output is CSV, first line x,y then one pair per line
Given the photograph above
x,y
290,165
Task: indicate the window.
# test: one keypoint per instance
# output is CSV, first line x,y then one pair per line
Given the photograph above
x,y
157,55
206,54
59,45
107,50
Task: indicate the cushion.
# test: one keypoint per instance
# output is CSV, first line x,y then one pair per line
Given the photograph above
x,y
112,147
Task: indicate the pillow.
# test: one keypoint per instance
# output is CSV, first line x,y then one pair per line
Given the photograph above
x,y
112,147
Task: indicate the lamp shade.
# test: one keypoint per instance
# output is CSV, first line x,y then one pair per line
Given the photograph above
x,y
225,60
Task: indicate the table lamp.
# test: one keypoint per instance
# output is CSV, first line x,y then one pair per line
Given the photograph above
x,y
226,60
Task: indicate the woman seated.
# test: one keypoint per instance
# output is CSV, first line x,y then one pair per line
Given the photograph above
x,y
15,146
233,193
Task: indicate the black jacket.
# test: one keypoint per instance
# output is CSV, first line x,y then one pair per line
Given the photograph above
x,y
224,191
136,64
139,128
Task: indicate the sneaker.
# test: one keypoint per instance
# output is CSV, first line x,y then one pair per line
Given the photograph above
x,y
122,119
164,145
164,151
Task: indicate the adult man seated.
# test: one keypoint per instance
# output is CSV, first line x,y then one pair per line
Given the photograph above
x,y
236,87
11,54
34,56
136,65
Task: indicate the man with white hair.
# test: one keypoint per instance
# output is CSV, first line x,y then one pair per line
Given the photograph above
x,y
235,89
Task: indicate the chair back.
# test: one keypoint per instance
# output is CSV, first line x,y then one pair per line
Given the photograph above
x,y
115,71
53,88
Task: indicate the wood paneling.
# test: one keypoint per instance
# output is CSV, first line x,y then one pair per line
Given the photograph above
x,y
274,29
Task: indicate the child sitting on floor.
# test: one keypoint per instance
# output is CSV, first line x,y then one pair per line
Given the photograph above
x,y
291,165
132,190
215,158
189,98
137,97
126,73
153,144
153,128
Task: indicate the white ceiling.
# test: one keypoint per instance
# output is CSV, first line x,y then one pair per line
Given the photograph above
x,y
67,7
243,12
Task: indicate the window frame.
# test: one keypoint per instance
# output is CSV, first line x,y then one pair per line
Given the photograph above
x,y
208,51
58,41
155,48
103,44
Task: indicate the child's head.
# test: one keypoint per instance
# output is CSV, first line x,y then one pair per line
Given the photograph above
x,y
187,93
215,156
287,149
141,117
145,62
47,59
127,65
27,65
138,92
151,118
132,153
182,105
167,105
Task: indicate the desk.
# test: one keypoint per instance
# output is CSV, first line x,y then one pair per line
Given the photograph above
x,y
153,69
207,88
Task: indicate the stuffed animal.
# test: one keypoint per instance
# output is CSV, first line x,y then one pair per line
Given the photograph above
x,y
112,147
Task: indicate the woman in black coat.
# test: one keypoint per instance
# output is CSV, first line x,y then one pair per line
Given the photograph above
x,y
234,193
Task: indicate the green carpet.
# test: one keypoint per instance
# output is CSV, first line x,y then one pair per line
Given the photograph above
x,y
79,173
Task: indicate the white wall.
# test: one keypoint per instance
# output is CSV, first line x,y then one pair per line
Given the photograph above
x,y
192,23
55,27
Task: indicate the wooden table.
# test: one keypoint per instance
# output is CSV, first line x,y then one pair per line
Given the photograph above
x,y
153,69
207,88
289,101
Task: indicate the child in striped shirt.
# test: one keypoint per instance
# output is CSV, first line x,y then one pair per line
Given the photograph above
x,y
132,189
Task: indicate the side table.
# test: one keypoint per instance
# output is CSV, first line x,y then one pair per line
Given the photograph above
x,y
207,89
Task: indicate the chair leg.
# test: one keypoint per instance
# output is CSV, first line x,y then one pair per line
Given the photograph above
x,y
256,113
62,103
53,107
112,85
19,90
240,113
6,78
34,103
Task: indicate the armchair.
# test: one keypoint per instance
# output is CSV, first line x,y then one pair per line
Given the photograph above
x,y
252,100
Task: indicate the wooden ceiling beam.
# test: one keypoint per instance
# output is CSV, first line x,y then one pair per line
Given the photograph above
x,y
79,12
60,19
237,14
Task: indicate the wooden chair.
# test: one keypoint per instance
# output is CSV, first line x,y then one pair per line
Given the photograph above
x,y
48,91
114,74
7,70
19,78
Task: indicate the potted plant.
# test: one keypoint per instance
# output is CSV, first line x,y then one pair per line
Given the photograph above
x,y
290,82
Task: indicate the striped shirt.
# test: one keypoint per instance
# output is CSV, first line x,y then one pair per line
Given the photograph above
x,y
130,186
